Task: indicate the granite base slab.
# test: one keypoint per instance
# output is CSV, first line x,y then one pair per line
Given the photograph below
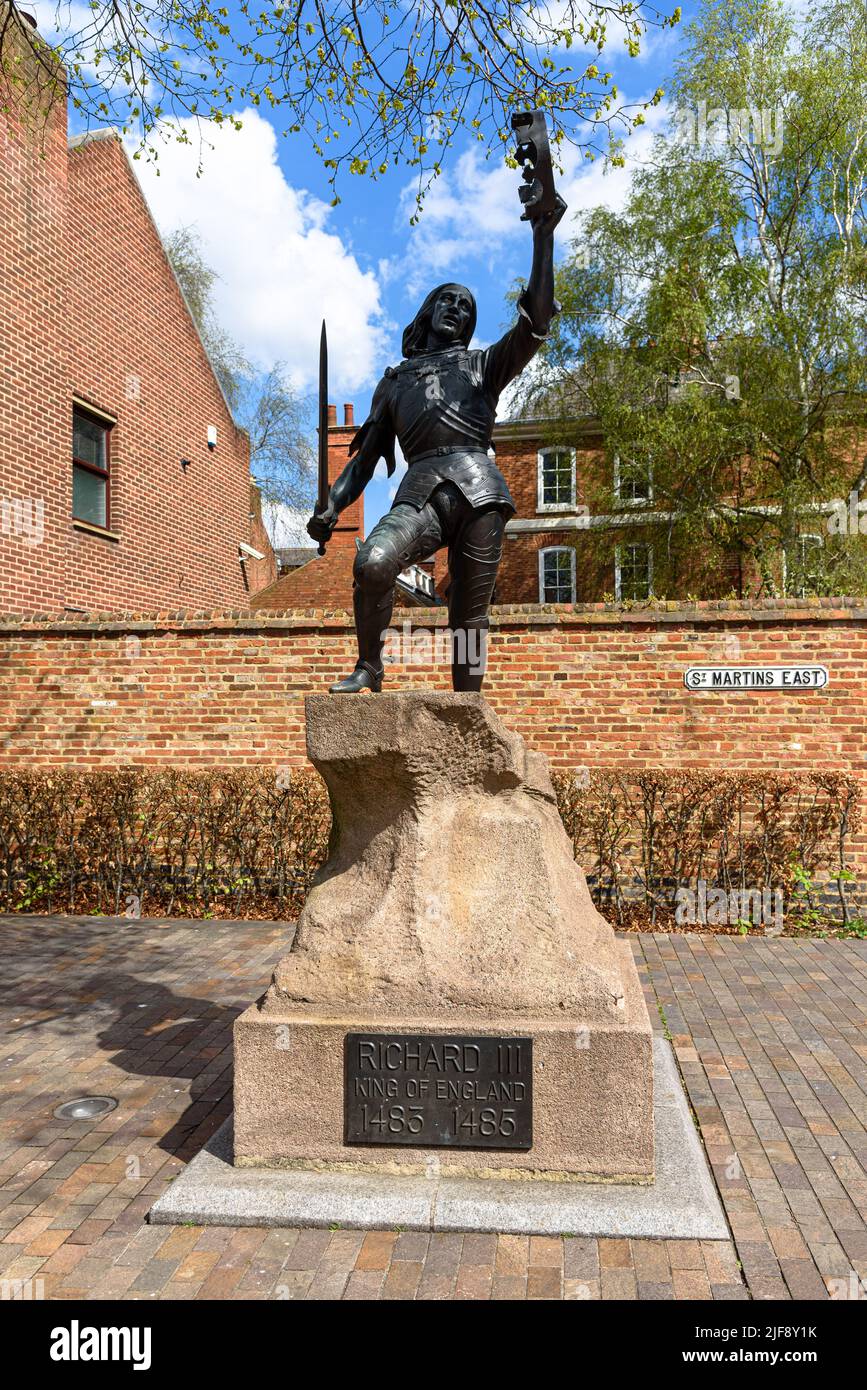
x,y
682,1203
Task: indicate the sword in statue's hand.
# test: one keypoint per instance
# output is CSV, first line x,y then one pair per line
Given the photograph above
x,y
322,522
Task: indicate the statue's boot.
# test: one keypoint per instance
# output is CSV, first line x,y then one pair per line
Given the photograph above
x,y
364,677
372,617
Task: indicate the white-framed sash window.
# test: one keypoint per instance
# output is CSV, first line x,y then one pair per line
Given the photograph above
x,y
557,574
633,571
556,479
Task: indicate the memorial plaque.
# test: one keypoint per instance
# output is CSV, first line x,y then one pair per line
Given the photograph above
x,y
432,1091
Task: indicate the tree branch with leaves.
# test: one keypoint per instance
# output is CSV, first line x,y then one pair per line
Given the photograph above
x,y
716,325
370,85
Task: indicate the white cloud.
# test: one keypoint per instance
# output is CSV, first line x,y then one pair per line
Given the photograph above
x,y
281,268
89,36
472,212
285,525
587,185
397,477
561,14
58,19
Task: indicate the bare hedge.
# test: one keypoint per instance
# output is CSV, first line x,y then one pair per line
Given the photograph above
x,y
246,843
639,835
223,842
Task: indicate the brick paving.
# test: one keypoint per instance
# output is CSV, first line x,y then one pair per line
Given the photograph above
x,y
769,1036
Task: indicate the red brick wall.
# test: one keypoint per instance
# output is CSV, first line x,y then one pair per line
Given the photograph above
x,y
518,575
351,523
258,574
518,578
595,553
591,686
678,571
89,308
34,432
518,461
323,582
136,354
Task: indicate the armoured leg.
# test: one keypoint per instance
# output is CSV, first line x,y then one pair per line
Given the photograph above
x,y
474,557
403,536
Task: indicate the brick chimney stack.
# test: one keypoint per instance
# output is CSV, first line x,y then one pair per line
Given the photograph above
x,y
350,527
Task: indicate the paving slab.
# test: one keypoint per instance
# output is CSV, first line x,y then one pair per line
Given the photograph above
x,y
768,1034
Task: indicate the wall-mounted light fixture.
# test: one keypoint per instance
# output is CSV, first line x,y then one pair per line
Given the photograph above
x,y
185,463
212,436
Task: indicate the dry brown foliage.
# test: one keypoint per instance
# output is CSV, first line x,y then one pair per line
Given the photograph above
x,y
240,843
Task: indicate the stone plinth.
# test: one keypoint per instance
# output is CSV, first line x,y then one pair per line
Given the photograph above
x,y
450,904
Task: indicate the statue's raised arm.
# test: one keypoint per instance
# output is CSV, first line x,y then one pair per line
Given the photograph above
x,y
543,209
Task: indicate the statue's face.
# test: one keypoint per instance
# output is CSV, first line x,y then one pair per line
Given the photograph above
x,y
452,311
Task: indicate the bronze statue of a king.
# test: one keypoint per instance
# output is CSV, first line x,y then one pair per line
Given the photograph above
x,y
440,403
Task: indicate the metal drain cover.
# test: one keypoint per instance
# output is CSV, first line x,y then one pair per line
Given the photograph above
x,y
86,1108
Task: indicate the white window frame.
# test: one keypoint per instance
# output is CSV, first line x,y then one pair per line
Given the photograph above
x,y
632,501
553,550
618,578
541,504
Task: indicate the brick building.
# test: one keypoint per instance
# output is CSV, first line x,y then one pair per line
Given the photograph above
x,y
589,529
551,552
566,546
557,548
586,531
124,481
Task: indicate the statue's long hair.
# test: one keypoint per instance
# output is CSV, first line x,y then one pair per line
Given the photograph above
x,y
415,333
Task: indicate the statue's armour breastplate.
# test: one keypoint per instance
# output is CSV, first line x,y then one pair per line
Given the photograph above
x,y
444,417
440,399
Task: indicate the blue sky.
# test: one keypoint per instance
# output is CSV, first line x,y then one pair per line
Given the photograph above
x,y
285,257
